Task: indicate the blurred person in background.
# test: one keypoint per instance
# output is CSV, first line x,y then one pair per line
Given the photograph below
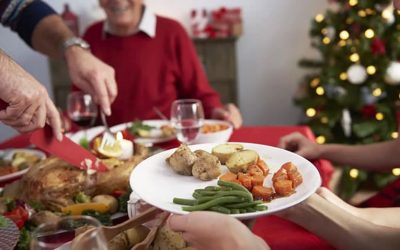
x,y
155,63
28,104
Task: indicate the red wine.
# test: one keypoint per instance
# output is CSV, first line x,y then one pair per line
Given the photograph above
x,y
84,120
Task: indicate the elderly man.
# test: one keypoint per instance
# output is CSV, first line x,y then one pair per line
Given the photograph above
x,y
155,63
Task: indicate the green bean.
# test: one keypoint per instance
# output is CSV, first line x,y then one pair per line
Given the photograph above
x,y
205,199
212,203
246,196
244,204
187,202
196,195
205,192
220,209
261,208
251,210
232,185
212,188
243,210
226,188
235,211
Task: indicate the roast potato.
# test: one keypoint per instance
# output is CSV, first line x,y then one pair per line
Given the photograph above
x,y
224,151
240,161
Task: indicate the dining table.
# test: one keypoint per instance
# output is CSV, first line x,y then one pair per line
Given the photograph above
x,y
277,232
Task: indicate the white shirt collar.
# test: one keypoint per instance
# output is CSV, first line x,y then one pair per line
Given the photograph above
x,y
147,24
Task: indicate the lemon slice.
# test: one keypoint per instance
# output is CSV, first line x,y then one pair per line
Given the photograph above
x,y
112,151
143,132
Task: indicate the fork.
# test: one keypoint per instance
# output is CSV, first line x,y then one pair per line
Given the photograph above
x,y
108,138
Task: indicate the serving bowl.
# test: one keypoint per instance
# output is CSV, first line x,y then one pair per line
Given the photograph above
x,y
220,136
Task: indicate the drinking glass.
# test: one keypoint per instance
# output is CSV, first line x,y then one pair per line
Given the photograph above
x,y
187,116
58,235
82,110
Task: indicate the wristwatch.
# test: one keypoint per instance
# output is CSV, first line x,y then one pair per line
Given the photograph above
x,y
75,41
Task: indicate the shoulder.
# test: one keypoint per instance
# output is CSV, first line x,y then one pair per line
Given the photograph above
x,y
170,26
94,30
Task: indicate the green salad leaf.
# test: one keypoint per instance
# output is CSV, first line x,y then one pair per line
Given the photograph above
x,y
138,128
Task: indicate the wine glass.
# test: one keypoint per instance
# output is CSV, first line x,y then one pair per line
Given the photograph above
x,y
59,234
82,110
187,116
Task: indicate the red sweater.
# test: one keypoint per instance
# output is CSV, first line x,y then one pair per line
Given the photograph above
x,y
152,72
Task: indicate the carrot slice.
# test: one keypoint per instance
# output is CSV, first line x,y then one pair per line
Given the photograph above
x,y
263,193
245,180
229,176
283,187
263,166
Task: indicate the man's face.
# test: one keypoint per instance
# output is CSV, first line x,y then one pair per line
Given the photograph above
x,y
122,13
396,4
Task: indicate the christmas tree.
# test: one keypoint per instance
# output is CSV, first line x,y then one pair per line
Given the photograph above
x,y
350,93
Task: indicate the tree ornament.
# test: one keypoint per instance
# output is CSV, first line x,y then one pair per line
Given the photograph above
x,y
378,47
346,122
387,14
357,74
355,30
368,111
330,32
392,75
367,97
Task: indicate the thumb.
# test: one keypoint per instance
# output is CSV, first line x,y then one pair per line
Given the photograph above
x,y
178,223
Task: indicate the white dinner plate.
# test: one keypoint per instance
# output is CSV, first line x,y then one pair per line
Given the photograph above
x,y
157,184
95,131
147,140
7,155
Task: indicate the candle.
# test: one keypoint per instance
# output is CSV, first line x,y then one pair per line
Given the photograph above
x,y
126,146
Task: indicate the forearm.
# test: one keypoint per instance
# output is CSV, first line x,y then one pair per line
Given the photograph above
x,y
377,156
342,229
388,217
49,36
10,73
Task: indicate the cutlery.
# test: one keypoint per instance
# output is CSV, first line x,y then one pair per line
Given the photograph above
x,y
108,138
112,231
160,114
67,150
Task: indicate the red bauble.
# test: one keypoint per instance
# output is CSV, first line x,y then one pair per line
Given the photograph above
x,y
378,47
355,30
368,111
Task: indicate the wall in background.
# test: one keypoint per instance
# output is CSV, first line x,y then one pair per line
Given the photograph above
x,y
275,37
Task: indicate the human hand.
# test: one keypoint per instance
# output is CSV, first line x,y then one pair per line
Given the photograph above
x,y
92,76
300,145
209,230
228,113
28,104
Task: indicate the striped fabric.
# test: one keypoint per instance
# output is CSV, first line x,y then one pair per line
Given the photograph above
x,y
9,11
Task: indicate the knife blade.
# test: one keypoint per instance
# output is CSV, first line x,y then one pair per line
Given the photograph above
x,y
67,150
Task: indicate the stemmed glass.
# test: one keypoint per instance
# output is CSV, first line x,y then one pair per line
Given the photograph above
x,y
60,234
82,110
187,116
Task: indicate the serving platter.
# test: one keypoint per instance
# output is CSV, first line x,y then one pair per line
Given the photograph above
x,y
157,184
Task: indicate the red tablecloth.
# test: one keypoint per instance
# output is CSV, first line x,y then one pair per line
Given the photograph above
x,y
279,233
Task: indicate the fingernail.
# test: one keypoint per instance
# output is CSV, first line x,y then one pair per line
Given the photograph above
x,y
59,136
107,111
